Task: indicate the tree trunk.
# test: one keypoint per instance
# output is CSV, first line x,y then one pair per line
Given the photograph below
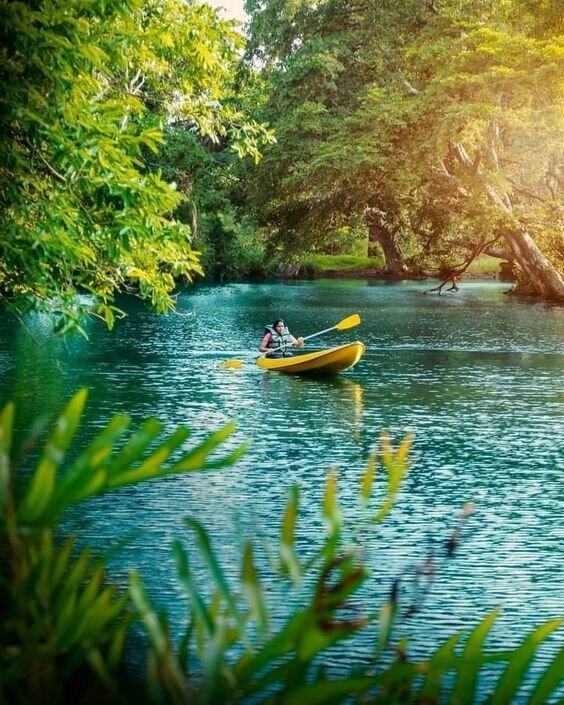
x,y
540,275
380,234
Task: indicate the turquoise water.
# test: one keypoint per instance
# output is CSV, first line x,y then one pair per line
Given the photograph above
x,y
478,377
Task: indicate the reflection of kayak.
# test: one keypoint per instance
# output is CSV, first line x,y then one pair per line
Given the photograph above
x,y
322,362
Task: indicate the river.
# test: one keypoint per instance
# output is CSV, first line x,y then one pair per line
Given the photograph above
x,y
477,375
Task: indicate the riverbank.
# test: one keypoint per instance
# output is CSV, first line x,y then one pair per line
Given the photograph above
x,y
373,273
358,267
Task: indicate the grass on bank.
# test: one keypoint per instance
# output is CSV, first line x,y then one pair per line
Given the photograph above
x,y
326,263
484,264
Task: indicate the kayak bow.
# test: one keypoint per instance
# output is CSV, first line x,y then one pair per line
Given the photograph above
x,y
322,362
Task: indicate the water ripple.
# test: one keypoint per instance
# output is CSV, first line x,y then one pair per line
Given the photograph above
x,y
478,378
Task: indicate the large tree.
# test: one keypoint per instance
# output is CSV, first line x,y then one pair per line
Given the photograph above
x,y
438,125
86,91
492,100
338,101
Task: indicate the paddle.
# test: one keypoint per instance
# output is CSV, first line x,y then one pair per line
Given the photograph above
x,y
345,324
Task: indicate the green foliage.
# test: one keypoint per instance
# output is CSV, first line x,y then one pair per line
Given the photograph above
x,y
333,159
430,130
64,629
233,248
103,465
77,208
63,623
87,88
492,99
208,173
243,657
444,120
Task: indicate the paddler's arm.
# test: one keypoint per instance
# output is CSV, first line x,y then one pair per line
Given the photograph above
x,y
263,347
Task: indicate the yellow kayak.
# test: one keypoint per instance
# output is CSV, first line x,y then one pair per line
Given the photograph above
x,y
322,362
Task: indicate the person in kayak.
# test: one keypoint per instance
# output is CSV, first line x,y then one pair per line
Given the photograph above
x,y
278,340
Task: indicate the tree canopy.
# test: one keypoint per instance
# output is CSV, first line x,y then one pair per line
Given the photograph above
x,y
433,128
439,126
88,90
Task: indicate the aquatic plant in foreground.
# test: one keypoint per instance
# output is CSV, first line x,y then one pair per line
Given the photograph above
x,y
64,628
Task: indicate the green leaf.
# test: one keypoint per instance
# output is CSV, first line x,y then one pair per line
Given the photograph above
x,y
440,662
549,680
100,612
6,425
43,481
331,509
74,578
397,680
198,605
98,665
325,691
90,593
397,464
283,642
94,53
84,479
159,639
135,445
519,661
184,648
66,622
60,565
196,458
115,652
386,621
287,541
316,640
215,568
466,682
404,448
253,588
151,467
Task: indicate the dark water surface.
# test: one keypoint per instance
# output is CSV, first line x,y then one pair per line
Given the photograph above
x,y
478,376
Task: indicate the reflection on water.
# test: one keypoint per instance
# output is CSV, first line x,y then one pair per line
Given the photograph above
x,y
326,406
477,376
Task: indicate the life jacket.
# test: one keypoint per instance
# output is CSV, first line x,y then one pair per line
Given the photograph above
x,y
277,340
